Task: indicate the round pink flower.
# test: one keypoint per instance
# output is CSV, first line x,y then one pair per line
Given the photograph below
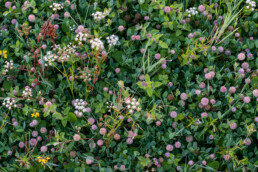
x,y
80,28
212,156
204,162
197,92
49,104
66,14
91,120
43,130
255,93
189,138
201,8
183,96
121,28
241,56
248,142
173,114
129,141
167,9
223,89
208,76
157,56
204,115
233,126
14,21
21,144
32,18
212,101
158,123
169,148
247,99
100,142
177,144
76,137
202,85
190,163
102,131
204,101
138,37
8,4
232,89
43,149
245,65
226,157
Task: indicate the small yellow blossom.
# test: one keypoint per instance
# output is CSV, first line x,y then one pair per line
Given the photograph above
x,y
43,160
4,53
35,114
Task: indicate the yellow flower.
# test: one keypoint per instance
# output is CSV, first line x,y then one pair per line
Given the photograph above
x,y
4,53
43,160
35,114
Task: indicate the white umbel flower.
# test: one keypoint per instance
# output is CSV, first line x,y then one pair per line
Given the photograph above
x,y
112,40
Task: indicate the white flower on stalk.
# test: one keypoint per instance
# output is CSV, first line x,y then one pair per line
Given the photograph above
x,y
112,40
57,6
9,103
251,4
191,11
27,92
99,15
97,44
49,58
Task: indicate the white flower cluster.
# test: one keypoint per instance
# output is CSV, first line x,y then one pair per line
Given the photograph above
x,y
80,107
191,11
110,106
65,52
97,44
81,37
27,92
8,66
9,103
72,28
57,6
112,40
49,58
250,3
99,15
132,105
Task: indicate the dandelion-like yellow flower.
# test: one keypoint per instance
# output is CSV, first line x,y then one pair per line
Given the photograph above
x,y
43,160
35,114
4,53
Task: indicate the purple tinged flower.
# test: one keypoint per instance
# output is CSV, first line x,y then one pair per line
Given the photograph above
x,y
170,84
250,55
67,14
197,92
14,21
167,155
33,142
226,157
76,137
190,35
9,152
56,26
34,133
91,120
256,119
147,155
221,49
248,142
237,35
245,65
173,114
43,149
15,123
43,130
129,141
21,145
172,51
178,168
102,131
94,127
227,52
233,109
201,39
122,167
211,137
144,84
213,48
157,56
146,18
163,66
34,122
212,101
233,126
49,104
